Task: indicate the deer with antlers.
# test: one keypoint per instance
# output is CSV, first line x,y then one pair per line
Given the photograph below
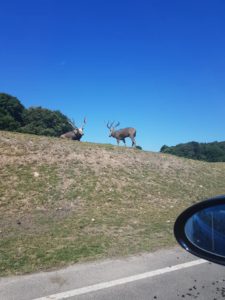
x,y
76,134
122,134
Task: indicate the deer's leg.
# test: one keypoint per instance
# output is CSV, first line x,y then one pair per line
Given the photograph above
x,y
118,142
133,142
124,142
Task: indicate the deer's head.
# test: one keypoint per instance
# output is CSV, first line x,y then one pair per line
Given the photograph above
x,y
77,130
112,127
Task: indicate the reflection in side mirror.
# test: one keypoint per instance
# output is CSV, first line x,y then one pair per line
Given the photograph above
x,y
201,229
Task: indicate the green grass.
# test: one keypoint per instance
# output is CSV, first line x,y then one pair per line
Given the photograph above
x,y
63,202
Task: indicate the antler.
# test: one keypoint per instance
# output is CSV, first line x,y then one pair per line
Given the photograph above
x,y
110,126
117,125
72,123
85,121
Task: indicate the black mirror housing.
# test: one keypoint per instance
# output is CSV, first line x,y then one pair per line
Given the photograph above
x,y
200,229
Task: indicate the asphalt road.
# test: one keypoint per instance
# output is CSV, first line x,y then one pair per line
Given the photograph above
x,y
163,275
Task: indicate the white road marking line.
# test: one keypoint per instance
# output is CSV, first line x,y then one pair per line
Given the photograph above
x,y
105,285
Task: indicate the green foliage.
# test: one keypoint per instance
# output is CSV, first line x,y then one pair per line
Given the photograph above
x,y
11,112
36,120
211,152
163,148
43,121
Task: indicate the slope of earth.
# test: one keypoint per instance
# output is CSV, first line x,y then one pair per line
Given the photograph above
x,y
63,201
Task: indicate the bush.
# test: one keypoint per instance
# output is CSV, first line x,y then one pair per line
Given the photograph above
x,y
139,147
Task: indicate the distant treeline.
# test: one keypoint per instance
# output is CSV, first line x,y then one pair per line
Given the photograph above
x,y
211,152
36,120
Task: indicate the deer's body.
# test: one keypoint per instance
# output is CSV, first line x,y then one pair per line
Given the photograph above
x,y
76,134
122,134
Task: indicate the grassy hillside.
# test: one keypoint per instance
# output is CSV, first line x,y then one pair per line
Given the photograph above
x,y
64,201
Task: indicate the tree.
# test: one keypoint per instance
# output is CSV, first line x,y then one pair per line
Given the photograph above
x,y
163,148
42,121
11,112
212,152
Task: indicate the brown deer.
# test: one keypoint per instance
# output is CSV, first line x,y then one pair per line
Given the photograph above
x,y
76,134
121,134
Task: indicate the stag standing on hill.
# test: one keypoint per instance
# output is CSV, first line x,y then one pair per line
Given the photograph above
x,y
76,134
121,134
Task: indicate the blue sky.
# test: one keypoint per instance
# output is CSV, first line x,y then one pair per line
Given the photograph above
x,y
156,65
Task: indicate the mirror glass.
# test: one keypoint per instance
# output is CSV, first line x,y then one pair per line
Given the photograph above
x,y
206,229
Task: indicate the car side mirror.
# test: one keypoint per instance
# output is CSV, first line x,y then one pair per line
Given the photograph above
x,y
200,229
